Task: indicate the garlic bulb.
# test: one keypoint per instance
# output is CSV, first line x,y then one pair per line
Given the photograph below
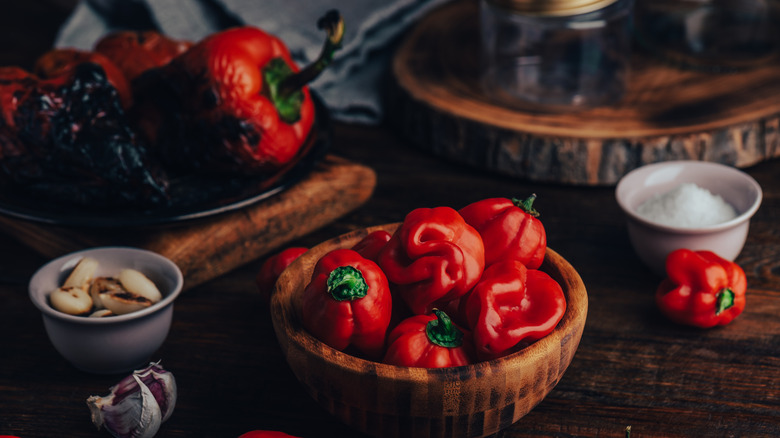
x,y
137,405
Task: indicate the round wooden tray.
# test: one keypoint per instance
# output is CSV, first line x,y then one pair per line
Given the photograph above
x,y
667,113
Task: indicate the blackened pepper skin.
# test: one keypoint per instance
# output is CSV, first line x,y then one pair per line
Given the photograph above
x,y
68,139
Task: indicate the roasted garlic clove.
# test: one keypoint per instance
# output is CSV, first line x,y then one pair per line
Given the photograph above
x,y
103,285
102,313
137,283
71,300
82,274
138,404
121,301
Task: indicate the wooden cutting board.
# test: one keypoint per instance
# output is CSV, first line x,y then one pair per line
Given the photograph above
x,y
667,113
207,248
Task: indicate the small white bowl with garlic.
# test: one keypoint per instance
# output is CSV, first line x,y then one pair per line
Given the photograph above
x,y
107,310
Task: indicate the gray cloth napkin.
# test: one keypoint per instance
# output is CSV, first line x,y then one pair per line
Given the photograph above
x,y
351,87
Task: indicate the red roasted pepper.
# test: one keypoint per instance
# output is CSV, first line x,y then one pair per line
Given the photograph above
x,y
273,267
57,63
702,289
348,303
512,306
370,246
135,52
233,102
433,258
510,229
429,341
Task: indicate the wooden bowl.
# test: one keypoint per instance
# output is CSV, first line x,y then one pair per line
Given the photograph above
x,y
392,401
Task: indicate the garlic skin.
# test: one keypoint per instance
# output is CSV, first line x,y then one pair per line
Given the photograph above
x,y
137,405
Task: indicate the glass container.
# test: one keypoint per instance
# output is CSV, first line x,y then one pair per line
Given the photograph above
x,y
555,54
710,34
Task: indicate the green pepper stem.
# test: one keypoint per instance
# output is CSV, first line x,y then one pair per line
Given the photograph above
x,y
725,299
527,205
346,283
442,332
333,24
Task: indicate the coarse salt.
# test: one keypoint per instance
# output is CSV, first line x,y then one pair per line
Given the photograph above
x,y
687,206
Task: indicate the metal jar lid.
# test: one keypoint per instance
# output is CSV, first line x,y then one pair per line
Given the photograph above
x,y
556,8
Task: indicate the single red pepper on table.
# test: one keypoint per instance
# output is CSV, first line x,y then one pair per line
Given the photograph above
x,y
429,341
233,102
510,307
702,289
348,303
273,267
510,229
433,258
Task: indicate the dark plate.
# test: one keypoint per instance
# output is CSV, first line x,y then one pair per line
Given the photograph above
x,y
193,197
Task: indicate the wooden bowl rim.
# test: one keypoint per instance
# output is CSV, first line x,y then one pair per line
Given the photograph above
x,y
289,326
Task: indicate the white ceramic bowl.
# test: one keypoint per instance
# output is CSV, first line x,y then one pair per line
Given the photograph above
x,y
114,344
653,242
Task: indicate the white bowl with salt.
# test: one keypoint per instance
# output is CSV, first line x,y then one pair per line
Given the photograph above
x,y
687,204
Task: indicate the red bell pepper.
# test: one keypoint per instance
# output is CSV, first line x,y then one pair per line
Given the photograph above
x,y
512,306
234,102
62,62
135,52
434,257
510,229
348,303
702,289
370,246
273,267
429,341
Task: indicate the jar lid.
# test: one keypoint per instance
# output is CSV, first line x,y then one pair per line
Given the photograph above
x,y
551,7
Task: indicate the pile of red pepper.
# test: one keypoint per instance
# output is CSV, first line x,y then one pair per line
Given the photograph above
x,y
233,103
447,288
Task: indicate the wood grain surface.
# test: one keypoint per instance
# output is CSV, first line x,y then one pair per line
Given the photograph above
x,y
667,113
633,367
209,247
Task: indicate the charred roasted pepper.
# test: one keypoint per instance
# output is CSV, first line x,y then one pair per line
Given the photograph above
x,y
348,303
67,139
273,267
510,229
135,52
510,307
702,289
429,341
234,102
434,257
370,246
61,62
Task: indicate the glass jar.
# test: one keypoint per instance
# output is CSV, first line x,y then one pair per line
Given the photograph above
x,y
710,34
555,54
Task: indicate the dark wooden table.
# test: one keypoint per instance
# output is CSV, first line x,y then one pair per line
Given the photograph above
x,y
633,367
